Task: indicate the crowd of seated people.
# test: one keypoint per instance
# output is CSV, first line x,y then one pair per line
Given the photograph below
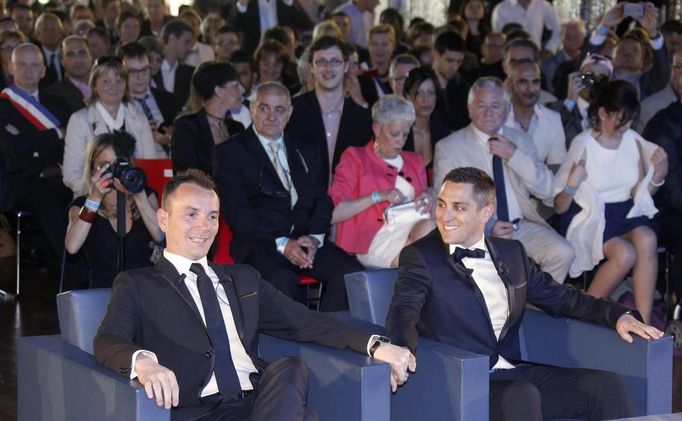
x,y
324,159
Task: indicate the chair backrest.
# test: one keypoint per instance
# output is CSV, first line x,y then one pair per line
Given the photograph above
x,y
80,314
158,172
222,244
370,293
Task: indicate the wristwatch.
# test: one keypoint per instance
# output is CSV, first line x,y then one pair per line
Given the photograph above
x,y
375,341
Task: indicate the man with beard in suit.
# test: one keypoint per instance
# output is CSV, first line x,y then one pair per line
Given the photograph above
x,y
463,288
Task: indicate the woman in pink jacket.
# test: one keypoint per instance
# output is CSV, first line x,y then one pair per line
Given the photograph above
x,y
381,201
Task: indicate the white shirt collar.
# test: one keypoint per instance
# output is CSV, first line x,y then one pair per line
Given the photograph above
x,y
480,244
481,135
167,67
265,141
183,264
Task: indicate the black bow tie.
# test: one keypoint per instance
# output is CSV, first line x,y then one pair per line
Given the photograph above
x,y
461,253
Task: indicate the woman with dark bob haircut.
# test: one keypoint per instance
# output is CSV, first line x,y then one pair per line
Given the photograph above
x,y
603,193
216,85
423,91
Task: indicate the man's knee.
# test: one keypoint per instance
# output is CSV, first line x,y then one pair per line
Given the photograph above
x,y
291,367
519,400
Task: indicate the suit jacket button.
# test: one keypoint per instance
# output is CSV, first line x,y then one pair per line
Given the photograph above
x,y
208,354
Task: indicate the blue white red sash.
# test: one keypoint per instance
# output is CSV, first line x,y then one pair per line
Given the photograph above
x,y
30,108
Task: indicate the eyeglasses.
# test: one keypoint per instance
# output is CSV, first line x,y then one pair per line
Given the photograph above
x,y
137,72
107,59
335,62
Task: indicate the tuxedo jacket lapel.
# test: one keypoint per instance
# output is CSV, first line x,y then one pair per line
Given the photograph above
x,y
516,309
177,281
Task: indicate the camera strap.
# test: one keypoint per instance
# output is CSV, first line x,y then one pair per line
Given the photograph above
x,y
121,218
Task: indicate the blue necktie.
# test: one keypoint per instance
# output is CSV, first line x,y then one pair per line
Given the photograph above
x,y
500,189
225,373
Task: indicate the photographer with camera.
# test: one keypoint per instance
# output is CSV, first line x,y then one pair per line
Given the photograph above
x,y
597,70
93,218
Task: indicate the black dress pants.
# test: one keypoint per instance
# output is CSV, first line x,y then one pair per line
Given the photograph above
x,y
330,266
280,395
535,392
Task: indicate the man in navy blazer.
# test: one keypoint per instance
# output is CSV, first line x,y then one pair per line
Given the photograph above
x,y
275,201
458,287
188,329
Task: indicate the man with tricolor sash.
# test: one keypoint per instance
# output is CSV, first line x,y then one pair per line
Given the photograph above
x,y
32,146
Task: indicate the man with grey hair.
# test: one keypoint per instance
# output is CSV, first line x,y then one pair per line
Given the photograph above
x,y
509,156
274,199
572,40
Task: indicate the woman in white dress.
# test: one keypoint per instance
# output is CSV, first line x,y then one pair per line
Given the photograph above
x,y
603,192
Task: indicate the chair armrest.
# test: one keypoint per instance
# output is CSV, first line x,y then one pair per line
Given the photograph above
x,y
59,382
344,385
449,384
646,366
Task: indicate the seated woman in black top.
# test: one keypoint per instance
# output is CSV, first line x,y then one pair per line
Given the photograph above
x,y
196,135
422,89
93,218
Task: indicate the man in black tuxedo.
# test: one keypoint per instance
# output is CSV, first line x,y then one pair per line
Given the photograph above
x,y
248,17
188,330
458,287
33,150
76,59
324,117
275,202
174,76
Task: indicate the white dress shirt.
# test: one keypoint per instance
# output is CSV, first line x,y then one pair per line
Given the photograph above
x,y
493,289
267,10
512,202
168,75
242,362
534,19
550,143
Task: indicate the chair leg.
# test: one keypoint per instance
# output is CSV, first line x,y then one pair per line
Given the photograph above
x,y
19,215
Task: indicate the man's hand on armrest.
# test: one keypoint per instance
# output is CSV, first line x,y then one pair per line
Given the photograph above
x,y
158,381
400,359
627,324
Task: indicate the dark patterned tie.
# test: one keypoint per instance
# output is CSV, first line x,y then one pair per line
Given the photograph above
x,y
145,108
225,373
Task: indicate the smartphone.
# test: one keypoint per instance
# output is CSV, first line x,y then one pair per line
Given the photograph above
x,y
636,10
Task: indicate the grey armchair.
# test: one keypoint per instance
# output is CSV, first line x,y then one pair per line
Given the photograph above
x,y
58,378
646,366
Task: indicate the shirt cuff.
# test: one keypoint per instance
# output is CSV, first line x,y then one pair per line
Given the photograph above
x,y
597,39
149,354
281,243
657,43
288,2
319,238
240,7
569,104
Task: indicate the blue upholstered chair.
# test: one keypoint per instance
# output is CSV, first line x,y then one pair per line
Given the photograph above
x,y
646,366
58,378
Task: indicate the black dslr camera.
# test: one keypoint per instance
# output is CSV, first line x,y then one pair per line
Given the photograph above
x,y
588,79
132,178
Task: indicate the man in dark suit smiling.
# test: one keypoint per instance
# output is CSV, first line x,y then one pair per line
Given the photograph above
x,y
188,329
458,287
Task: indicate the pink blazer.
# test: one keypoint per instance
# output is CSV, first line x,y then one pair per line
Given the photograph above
x,y
358,174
